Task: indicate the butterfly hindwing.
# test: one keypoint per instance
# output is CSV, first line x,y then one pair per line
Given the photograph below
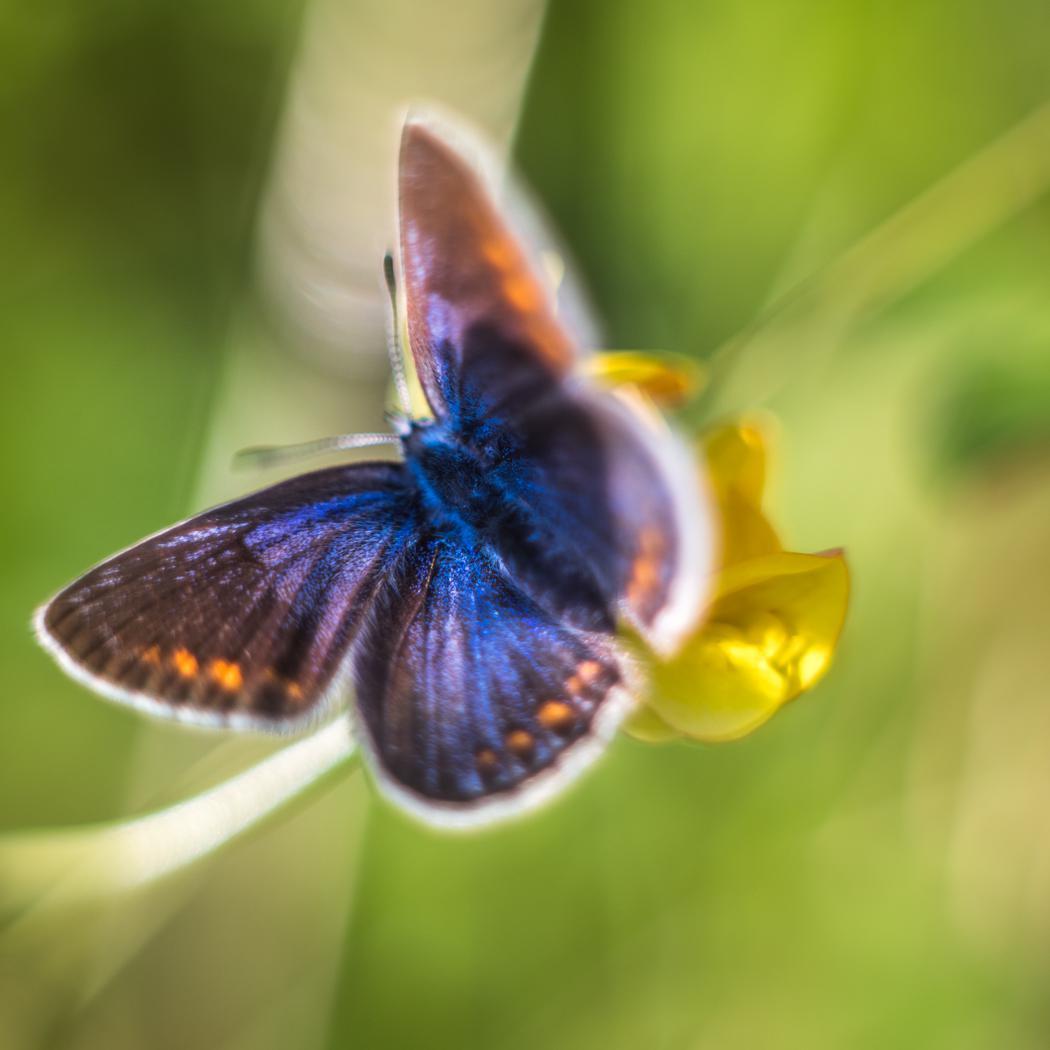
x,y
242,615
470,696
594,520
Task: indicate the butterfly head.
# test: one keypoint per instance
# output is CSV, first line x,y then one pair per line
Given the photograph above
x,y
456,484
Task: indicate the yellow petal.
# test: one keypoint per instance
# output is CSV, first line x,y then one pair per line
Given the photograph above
x,y
744,532
669,379
646,725
770,635
736,458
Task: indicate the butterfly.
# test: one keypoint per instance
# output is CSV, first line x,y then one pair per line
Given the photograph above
x,y
472,594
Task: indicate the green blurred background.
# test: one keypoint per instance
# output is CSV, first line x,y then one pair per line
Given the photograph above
x,y
872,868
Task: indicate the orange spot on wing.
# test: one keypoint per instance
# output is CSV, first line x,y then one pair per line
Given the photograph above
x,y
291,689
185,663
646,571
521,742
499,252
486,760
151,655
644,578
589,670
227,674
522,293
556,715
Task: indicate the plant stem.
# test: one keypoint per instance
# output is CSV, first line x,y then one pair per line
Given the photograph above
x,y
75,863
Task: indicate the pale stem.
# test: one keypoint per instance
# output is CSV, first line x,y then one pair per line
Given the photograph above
x,y
160,843
110,858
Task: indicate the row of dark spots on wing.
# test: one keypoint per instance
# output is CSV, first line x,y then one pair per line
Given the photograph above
x,y
217,684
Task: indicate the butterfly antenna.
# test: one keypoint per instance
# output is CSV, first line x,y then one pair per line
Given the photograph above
x,y
269,455
393,337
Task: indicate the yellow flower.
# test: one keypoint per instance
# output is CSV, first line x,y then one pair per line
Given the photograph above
x,y
669,379
771,631
772,628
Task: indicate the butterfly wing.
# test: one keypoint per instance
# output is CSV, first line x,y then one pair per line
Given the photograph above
x,y
243,615
485,670
602,513
472,700
463,267
607,518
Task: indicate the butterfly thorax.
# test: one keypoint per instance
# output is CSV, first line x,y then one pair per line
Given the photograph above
x,y
457,484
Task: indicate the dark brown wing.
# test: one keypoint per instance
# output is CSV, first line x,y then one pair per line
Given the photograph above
x,y
593,507
243,615
473,702
463,268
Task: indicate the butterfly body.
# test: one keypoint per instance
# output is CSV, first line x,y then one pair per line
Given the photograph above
x,y
470,594
459,492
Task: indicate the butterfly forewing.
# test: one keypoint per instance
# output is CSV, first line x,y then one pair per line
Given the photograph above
x,y
463,267
243,614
